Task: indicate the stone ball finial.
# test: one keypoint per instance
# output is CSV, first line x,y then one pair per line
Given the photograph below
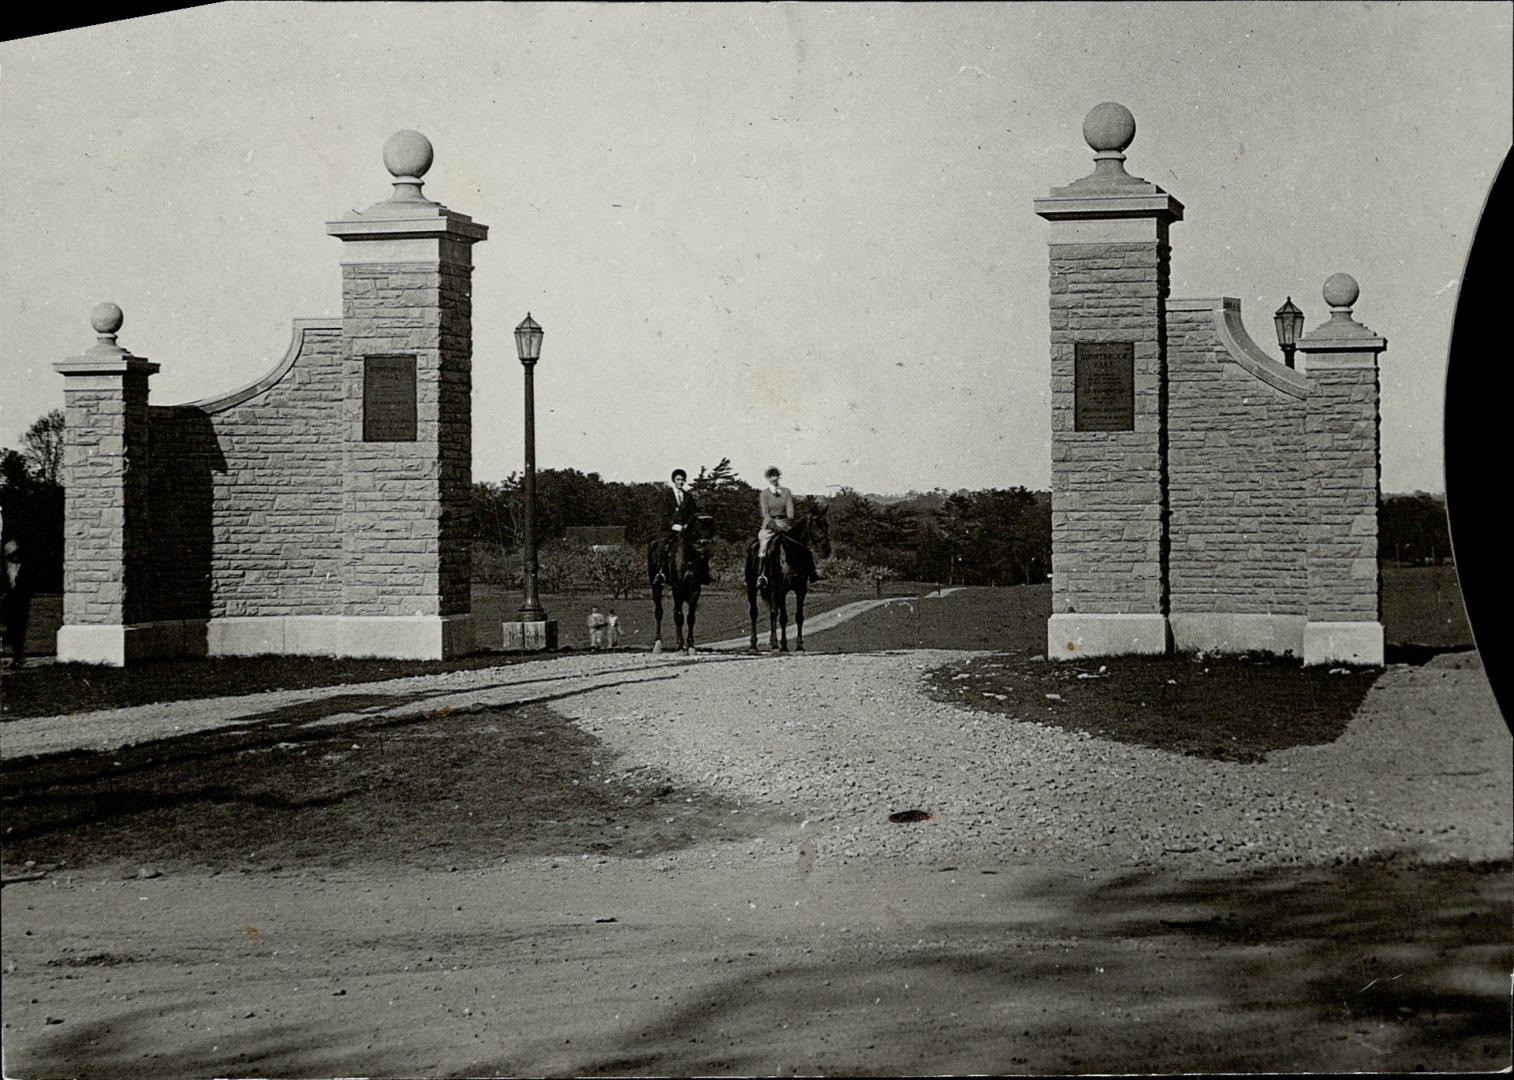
x,y
1341,291
1109,127
408,153
106,318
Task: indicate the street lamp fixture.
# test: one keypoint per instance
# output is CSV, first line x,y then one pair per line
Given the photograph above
x,y
1289,321
528,337
528,340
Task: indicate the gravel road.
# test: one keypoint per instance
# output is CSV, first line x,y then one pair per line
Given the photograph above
x,y
838,742
843,741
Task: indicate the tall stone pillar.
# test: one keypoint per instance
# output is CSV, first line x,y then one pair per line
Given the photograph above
x,y
1109,281
1341,432
407,269
105,502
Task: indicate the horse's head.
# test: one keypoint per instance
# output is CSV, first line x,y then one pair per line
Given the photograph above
x,y
820,531
704,529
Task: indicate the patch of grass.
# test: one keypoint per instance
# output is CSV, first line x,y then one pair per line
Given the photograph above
x,y
1224,709
1422,605
1006,619
431,790
53,689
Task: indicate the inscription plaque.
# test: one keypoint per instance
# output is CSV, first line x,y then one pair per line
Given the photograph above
x,y
389,399
1103,386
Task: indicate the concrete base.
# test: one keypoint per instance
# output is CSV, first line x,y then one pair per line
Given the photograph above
x,y
1344,643
531,636
1075,636
405,637
117,645
1281,635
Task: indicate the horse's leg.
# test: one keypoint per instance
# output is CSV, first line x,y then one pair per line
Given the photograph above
x,y
783,619
693,611
772,602
678,616
799,592
657,610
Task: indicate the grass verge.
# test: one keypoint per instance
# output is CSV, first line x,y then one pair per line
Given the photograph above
x,y
1233,708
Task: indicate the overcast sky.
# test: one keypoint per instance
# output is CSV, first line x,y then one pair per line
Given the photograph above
x,y
788,233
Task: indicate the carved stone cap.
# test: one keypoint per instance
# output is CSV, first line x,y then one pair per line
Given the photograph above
x,y
407,213
1109,191
1341,332
105,356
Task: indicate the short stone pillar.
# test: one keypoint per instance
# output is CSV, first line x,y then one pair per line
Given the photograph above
x,y
1109,280
407,339
1343,483
105,472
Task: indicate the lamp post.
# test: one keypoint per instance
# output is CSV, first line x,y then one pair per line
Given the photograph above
x,y
528,337
1289,321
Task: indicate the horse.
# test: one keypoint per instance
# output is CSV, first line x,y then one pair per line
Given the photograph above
x,y
790,560
677,564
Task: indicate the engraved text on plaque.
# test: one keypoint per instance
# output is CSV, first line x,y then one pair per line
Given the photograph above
x,y
1103,389
389,399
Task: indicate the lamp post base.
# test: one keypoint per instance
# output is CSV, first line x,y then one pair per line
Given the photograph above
x,y
537,636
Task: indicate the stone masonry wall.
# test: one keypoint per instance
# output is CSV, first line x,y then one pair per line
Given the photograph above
x,y
104,473
1341,498
391,503
456,438
246,499
1236,467
1106,486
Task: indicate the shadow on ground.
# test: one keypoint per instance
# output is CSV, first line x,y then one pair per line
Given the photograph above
x,y
437,788
1370,966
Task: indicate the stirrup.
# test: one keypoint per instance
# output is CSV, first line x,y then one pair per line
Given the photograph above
x,y
659,579
762,581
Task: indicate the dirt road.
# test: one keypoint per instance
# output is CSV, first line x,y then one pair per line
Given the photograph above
x,y
1071,904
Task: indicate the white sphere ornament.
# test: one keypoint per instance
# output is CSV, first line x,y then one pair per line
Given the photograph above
x,y
106,318
1109,127
408,153
1341,290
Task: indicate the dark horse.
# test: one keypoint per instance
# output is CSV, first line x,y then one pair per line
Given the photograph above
x,y
678,563
790,561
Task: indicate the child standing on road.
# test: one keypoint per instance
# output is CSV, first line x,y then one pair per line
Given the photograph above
x,y
596,629
612,629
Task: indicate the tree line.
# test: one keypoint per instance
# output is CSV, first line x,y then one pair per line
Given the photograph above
x,y
998,536
992,536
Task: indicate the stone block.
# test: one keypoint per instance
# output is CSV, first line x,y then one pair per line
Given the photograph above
x,y
530,636
1343,643
1074,636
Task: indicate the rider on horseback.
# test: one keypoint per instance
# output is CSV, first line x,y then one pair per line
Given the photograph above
x,y
683,512
776,504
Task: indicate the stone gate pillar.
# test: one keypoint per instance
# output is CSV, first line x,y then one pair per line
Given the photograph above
x,y
1343,482
105,472
1109,280
407,344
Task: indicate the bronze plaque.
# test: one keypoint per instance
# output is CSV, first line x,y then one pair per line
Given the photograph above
x,y
1103,386
388,399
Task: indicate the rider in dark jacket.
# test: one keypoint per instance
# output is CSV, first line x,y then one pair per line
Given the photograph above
x,y
683,513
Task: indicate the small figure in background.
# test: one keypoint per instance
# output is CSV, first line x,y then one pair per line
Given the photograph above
x,y
15,600
612,629
596,628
